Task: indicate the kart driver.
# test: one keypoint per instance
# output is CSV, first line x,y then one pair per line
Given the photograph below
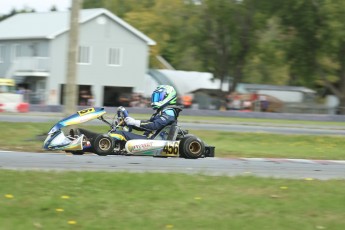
x,y
163,100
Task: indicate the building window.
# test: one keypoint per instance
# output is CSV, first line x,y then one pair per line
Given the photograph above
x,y
16,51
2,54
115,56
84,55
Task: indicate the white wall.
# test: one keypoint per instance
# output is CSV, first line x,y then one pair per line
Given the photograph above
x,y
98,74
285,96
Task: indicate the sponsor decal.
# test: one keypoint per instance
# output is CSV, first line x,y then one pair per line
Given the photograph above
x,y
171,149
141,147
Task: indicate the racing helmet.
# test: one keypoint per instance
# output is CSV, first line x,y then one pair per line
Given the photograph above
x,y
163,95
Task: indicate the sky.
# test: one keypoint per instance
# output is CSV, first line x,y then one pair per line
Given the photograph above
x,y
6,6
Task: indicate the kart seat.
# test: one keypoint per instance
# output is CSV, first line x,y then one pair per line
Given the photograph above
x,y
171,133
89,134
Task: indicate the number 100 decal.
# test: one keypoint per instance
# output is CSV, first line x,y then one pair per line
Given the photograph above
x,y
171,148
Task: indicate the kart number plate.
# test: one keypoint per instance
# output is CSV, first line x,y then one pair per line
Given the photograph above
x,y
86,111
171,149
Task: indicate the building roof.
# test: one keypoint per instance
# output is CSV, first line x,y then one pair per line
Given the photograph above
x,y
254,87
51,24
190,82
187,82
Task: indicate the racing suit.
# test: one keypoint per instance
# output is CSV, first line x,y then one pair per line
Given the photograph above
x,y
163,117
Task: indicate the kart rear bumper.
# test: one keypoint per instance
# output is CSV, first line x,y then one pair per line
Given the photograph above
x,y
209,151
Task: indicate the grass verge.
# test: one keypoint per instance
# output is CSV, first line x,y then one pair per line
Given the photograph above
x,y
263,121
99,200
23,137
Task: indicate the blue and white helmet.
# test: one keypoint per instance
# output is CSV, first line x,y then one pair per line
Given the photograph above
x,y
163,95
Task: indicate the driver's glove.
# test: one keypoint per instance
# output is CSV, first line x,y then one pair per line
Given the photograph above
x,y
122,112
132,121
121,108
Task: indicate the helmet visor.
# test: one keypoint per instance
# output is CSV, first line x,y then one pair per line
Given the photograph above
x,y
157,96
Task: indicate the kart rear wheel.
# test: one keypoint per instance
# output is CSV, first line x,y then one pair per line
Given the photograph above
x,y
191,147
103,145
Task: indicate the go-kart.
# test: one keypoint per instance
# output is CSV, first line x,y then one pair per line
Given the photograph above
x,y
172,141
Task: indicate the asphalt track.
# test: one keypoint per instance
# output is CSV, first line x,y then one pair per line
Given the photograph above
x,y
261,167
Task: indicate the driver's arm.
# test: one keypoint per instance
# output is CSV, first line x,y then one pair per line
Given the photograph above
x,y
158,122
155,123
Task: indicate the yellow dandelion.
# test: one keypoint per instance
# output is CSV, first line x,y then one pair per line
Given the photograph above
x,y
72,222
274,196
283,187
9,196
64,197
37,225
59,209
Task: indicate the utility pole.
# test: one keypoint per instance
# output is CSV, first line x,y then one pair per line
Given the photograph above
x,y
70,95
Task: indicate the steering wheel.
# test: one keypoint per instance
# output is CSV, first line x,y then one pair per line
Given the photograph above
x,y
122,113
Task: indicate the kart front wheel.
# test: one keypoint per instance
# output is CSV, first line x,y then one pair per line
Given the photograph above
x,y
191,147
104,145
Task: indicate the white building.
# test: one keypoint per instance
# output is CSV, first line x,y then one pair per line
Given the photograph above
x,y
112,60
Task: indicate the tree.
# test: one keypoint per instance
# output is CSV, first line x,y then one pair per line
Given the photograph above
x,y
89,4
315,43
267,62
119,7
14,11
227,35
331,59
295,42
301,23
152,17
164,23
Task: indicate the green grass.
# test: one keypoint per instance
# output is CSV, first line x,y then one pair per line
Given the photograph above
x,y
230,144
23,137
227,120
258,121
97,200
101,200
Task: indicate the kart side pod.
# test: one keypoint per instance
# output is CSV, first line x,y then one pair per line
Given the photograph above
x,y
188,147
153,147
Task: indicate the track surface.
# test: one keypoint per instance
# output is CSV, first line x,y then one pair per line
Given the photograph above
x,y
282,168
235,127
277,168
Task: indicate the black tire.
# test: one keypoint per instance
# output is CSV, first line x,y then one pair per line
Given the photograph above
x,y
191,147
103,145
181,151
79,152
